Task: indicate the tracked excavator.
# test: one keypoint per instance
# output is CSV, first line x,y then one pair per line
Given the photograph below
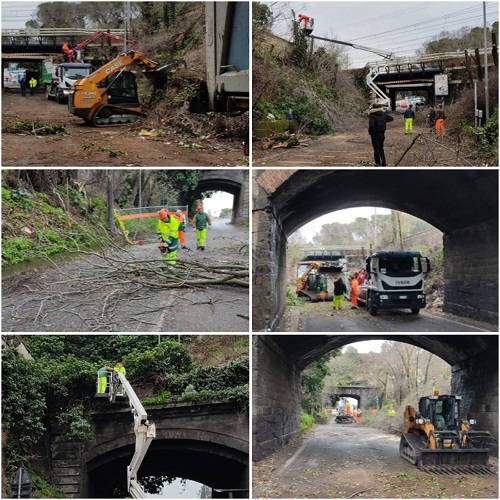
x,y
437,440
109,95
119,387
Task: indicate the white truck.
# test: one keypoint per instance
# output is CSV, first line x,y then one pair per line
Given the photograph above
x,y
395,281
65,75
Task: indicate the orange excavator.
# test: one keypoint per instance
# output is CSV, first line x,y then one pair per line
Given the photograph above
x,y
109,95
312,285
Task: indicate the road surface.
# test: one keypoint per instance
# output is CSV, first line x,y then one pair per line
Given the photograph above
x,y
353,148
351,461
31,303
320,317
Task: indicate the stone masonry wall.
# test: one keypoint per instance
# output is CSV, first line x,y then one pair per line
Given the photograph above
x,y
276,398
269,254
471,272
476,380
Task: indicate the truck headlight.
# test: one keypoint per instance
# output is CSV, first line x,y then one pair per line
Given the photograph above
x,y
472,421
384,297
420,296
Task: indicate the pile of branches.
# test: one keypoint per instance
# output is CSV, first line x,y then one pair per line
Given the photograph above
x,y
35,127
108,289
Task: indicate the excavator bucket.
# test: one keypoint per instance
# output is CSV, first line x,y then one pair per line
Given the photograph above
x,y
159,75
455,461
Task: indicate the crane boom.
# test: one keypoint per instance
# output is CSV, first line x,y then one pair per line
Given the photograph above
x,y
145,431
380,52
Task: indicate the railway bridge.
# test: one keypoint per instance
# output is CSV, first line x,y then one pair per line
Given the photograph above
x,y
207,443
285,200
235,182
410,74
278,362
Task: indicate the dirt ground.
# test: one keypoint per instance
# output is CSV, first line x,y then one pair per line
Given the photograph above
x,y
354,148
355,461
73,295
121,145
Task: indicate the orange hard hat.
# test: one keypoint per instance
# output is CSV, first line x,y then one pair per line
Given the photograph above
x,y
163,213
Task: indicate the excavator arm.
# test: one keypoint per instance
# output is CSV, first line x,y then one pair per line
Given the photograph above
x,y
93,37
101,101
145,431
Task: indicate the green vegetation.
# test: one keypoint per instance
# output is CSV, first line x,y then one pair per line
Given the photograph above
x,y
485,138
306,421
35,127
34,226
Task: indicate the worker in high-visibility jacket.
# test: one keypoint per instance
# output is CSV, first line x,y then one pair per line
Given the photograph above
x,y
102,375
120,368
168,235
200,222
182,219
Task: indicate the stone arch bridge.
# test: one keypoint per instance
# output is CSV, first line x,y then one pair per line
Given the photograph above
x,y
463,204
358,392
234,182
278,361
208,443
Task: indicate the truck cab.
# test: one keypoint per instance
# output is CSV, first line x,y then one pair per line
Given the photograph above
x,y
395,281
64,76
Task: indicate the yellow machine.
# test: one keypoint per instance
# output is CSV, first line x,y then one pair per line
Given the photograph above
x,y
437,440
312,285
109,94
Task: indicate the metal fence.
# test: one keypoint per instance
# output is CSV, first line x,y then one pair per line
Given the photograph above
x,y
139,223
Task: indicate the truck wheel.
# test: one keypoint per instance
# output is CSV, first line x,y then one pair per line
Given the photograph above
x,y
370,306
415,311
58,97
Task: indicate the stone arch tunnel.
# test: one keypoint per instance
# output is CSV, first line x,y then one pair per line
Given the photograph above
x,y
278,361
207,443
234,182
463,204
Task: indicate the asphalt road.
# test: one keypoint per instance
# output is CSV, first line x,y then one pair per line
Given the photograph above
x,y
48,299
320,317
351,460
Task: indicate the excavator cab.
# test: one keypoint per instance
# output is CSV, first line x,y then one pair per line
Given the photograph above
x,y
436,439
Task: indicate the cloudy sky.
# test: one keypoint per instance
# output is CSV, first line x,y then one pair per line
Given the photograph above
x,y
398,27
346,216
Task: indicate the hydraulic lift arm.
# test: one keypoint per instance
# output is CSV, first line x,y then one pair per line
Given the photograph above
x,y
145,431
380,52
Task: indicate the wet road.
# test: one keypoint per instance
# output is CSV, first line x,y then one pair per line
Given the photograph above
x,y
351,460
320,317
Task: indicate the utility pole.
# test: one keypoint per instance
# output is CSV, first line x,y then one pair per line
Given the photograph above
x,y
486,94
111,219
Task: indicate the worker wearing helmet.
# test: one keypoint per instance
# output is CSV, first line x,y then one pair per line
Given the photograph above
x,y
200,222
182,219
168,234
308,23
120,368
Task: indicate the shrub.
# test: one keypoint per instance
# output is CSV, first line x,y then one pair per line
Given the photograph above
x,y
306,421
167,357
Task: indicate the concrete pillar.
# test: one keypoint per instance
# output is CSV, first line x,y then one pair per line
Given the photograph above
x,y
471,272
276,397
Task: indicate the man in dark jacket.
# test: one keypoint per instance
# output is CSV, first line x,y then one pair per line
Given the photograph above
x,y
377,123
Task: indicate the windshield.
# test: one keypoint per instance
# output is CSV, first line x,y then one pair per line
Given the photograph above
x,y
77,73
400,266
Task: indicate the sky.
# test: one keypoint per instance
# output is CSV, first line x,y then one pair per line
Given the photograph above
x,y
346,216
367,345
398,27
16,13
217,202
